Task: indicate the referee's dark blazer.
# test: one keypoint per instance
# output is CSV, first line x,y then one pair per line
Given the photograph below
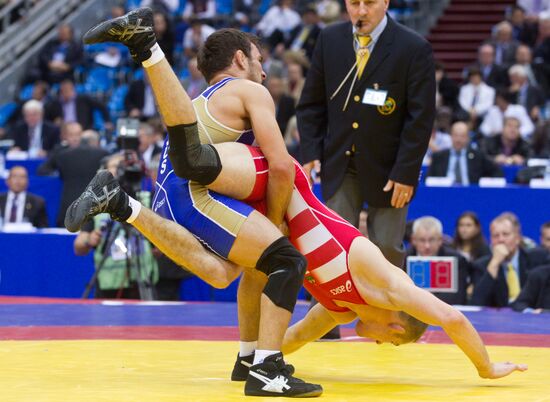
x,y
34,211
390,141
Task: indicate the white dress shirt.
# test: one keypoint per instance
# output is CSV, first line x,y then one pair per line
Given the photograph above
x,y
494,119
284,19
483,101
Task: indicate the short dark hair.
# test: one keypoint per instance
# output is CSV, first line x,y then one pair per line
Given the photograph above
x,y
217,52
545,225
414,328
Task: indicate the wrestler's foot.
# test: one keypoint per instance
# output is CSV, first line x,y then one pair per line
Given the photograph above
x,y
242,367
103,194
134,30
271,378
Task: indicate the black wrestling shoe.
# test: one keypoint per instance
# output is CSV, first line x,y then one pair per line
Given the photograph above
x,y
271,378
103,194
242,367
134,30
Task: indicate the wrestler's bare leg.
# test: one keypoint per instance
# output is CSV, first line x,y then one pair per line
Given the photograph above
x,y
171,238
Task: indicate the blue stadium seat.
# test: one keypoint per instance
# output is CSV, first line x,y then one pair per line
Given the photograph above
x,y
224,7
26,92
100,80
99,123
6,110
116,102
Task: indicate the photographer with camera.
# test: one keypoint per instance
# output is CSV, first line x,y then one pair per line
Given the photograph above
x,y
124,262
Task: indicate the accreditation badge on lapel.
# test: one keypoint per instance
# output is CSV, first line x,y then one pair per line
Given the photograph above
x,y
388,107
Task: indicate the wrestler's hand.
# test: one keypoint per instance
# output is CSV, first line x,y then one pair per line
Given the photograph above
x,y
498,370
283,227
313,171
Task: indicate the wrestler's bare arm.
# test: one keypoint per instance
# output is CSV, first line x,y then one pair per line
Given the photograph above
x,y
384,285
317,322
261,110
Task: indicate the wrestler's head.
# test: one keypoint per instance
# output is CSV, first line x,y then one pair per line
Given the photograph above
x,y
232,51
395,327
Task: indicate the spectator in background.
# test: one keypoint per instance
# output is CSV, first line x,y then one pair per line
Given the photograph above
x,y
504,44
70,107
77,163
39,93
545,235
533,8
508,148
195,84
468,239
535,295
522,30
304,36
164,34
271,65
540,143
139,101
491,73
59,56
278,22
295,80
203,9
462,163
503,107
284,104
527,95
499,276
475,97
446,89
427,241
168,7
17,205
439,140
524,57
148,148
34,134
116,260
195,36
541,52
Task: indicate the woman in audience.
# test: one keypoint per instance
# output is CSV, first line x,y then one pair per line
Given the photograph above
x,y
468,239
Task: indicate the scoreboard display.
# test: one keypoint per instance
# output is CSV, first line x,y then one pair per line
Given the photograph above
x,y
435,274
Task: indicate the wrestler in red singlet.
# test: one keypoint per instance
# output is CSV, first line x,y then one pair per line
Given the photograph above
x,y
322,236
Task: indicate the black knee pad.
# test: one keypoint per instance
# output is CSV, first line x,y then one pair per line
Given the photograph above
x,y
190,159
285,268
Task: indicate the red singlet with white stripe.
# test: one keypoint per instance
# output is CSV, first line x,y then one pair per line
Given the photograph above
x,y
322,236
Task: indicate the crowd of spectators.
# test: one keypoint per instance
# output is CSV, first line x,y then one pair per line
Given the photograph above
x,y
498,115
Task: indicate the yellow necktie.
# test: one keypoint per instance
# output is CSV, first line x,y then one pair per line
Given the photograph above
x,y
513,282
362,53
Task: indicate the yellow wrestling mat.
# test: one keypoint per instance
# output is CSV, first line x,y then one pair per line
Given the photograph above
x,y
158,371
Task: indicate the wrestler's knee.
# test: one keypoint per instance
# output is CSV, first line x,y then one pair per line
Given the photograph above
x,y
285,268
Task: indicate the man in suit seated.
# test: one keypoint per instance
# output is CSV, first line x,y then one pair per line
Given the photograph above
x,y
491,73
17,205
464,164
72,107
500,276
508,148
535,296
33,134
427,241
